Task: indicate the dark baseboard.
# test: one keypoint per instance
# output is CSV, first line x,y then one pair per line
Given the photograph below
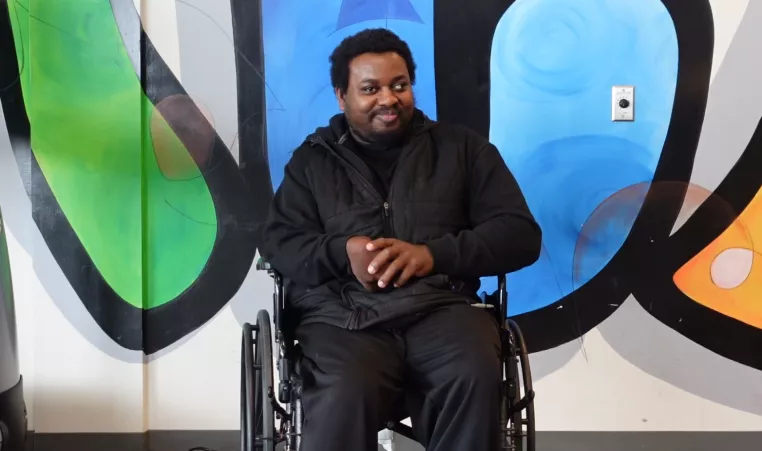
x,y
649,441
546,441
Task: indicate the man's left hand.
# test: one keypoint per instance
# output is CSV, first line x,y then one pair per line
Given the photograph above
x,y
412,260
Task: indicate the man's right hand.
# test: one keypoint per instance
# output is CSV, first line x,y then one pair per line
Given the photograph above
x,y
359,260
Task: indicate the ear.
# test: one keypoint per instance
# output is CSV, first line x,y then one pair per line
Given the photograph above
x,y
339,98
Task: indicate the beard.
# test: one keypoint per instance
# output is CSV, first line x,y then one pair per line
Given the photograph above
x,y
383,138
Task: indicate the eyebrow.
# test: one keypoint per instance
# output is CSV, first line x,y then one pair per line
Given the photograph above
x,y
373,80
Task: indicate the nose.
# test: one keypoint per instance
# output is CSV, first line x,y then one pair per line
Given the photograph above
x,y
386,98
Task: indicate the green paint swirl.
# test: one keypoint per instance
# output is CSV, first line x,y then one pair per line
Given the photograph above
x,y
128,186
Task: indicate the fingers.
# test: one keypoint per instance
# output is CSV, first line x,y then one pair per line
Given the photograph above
x,y
396,266
380,243
383,257
407,264
400,257
407,273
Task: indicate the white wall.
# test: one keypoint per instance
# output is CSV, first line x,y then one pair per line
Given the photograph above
x,y
73,386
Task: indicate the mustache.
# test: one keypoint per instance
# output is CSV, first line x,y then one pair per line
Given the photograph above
x,y
385,110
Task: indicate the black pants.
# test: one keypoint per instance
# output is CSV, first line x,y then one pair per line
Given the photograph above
x,y
353,378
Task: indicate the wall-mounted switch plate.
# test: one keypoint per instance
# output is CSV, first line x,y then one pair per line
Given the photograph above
x,y
623,103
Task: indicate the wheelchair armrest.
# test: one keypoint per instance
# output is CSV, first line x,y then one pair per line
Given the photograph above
x,y
263,265
498,301
279,295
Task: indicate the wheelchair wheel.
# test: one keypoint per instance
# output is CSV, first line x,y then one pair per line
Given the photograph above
x,y
257,416
523,425
518,411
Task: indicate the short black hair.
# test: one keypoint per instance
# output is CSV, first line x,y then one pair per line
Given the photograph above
x,y
371,40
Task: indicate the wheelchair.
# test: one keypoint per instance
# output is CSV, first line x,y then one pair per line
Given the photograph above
x,y
261,406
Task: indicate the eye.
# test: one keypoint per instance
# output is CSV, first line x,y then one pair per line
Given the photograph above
x,y
402,86
368,89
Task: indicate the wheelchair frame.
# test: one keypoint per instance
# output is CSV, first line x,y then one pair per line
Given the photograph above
x,y
260,408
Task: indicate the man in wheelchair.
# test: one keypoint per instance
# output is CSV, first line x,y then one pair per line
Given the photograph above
x,y
382,228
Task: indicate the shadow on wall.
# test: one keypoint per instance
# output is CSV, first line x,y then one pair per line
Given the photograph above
x,y
665,354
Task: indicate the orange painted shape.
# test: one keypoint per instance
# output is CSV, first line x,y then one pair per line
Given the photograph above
x,y
726,276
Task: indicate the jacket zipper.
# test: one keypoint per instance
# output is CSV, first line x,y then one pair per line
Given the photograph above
x,y
387,220
386,204
386,208
319,141
354,317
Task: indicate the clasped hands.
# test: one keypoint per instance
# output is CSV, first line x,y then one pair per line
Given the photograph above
x,y
385,261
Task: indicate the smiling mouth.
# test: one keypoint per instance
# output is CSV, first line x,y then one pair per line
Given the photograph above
x,y
388,117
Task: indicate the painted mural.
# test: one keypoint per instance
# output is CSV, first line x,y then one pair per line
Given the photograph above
x,y
153,216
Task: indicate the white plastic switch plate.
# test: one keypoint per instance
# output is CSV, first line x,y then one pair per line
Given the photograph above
x,y
623,103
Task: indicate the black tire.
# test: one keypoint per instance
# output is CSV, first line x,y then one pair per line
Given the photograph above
x,y
513,419
526,424
257,415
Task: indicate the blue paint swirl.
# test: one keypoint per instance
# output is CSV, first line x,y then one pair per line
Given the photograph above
x,y
357,11
553,65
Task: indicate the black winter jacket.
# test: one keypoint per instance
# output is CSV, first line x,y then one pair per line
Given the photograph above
x,y
451,190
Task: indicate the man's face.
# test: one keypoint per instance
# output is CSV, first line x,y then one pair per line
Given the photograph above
x,y
379,100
